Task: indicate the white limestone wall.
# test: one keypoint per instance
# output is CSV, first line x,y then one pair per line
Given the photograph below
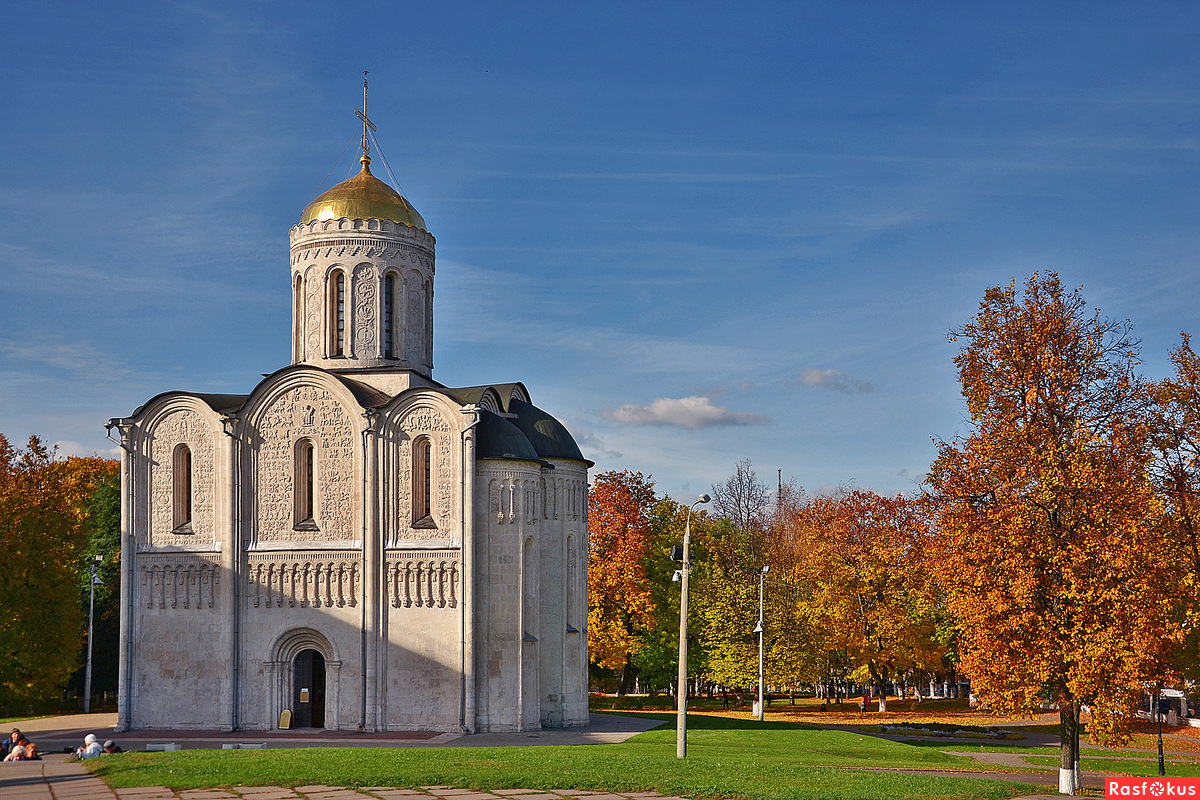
x,y
506,497
177,580
563,596
423,640
295,600
365,251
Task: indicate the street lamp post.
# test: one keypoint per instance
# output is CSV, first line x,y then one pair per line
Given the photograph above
x,y
762,576
681,691
93,581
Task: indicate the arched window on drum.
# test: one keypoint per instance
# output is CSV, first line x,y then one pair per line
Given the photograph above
x,y
337,314
389,315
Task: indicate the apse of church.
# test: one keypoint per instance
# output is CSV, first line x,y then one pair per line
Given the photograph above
x,y
351,541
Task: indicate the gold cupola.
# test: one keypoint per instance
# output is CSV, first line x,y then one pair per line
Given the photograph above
x,y
363,197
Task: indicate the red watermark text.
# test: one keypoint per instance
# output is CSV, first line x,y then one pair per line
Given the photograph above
x,y
1152,787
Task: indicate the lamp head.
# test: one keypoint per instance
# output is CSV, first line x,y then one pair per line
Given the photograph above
x,y
766,568
703,498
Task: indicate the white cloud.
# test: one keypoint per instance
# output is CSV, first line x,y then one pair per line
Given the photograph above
x,y
65,449
835,380
686,412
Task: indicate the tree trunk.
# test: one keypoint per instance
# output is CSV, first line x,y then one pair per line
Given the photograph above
x,y
1068,752
883,676
628,676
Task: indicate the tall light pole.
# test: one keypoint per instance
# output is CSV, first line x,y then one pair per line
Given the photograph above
x,y
762,576
681,691
93,581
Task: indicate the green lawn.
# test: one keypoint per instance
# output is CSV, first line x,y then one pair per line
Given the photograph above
x,y
726,758
1146,767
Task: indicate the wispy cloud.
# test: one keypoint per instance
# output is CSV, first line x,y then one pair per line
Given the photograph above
x,y
685,412
66,449
834,380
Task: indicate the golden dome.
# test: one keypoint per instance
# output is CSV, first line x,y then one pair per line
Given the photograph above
x,y
363,197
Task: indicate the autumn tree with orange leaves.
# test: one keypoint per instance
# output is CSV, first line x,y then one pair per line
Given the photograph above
x,y
872,596
43,537
1047,514
620,605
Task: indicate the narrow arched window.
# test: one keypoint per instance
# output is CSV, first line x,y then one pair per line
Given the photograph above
x,y
337,314
181,490
422,474
389,315
304,494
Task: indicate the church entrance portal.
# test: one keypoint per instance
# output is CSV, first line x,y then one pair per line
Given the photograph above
x,y
308,689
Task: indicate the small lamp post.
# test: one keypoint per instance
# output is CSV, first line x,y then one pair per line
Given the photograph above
x,y
762,576
681,691
93,582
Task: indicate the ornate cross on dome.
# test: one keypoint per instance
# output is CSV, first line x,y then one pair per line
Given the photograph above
x,y
366,142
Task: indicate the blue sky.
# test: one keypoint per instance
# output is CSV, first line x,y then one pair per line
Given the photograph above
x,y
697,232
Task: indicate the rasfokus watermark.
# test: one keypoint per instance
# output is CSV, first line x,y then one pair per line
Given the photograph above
x,y
1152,787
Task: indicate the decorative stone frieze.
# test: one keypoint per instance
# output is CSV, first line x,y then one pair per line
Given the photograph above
x,y
423,579
179,583
292,580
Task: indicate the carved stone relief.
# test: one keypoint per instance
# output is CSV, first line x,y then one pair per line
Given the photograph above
x,y
366,299
310,412
179,584
414,326
427,422
427,580
291,581
181,427
314,287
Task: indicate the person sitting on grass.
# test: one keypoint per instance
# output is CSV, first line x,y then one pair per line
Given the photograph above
x,y
91,748
17,753
11,741
112,747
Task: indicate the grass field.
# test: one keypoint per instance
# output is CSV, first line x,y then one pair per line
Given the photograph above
x,y
726,758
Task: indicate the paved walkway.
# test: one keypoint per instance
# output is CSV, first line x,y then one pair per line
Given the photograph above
x,y
55,778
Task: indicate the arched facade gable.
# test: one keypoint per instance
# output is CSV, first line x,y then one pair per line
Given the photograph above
x,y
491,401
519,392
420,460
296,405
167,422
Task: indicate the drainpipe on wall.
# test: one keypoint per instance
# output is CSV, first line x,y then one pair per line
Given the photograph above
x,y
371,415
124,671
229,423
466,543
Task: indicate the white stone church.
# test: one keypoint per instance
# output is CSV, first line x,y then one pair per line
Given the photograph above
x,y
353,542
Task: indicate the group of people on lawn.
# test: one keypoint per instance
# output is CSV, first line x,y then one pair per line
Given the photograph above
x,y
17,748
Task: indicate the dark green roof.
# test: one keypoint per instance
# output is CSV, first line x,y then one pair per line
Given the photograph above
x,y
547,435
498,438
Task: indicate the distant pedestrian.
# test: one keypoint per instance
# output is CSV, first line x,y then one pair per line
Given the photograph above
x,y
91,748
